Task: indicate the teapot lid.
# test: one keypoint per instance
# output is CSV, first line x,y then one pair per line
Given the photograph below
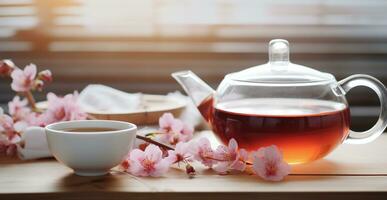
x,y
279,69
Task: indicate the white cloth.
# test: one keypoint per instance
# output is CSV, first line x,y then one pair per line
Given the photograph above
x,y
34,144
101,98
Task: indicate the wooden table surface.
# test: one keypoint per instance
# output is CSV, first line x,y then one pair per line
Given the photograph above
x,y
350,172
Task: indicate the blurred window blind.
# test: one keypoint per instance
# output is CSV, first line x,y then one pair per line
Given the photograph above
x,y
213,26
134,45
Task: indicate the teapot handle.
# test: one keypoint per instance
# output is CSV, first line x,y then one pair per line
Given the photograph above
x,y
371,82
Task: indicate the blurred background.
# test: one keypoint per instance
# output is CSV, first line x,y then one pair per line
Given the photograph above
x,y
134,45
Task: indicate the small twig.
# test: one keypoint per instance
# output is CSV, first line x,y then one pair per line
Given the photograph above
x,y
219,160
154,142
153,134
31,100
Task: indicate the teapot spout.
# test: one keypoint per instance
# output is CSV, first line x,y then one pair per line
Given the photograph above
x,y
195,87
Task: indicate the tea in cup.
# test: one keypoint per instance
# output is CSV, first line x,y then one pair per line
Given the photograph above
x,y
91,147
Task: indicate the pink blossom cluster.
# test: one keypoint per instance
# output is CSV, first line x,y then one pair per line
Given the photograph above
x,y
21,115
173,131
26,79
148,159
267,162
9,136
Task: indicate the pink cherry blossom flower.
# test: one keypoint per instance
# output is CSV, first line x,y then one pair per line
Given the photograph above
x,y
165,122
8,127
269,165
63,108
6,67
36,119
180,132
181,153
203,152
174,130
183,132
230,158
149,162
23,80
45,75
18,108
8,145
6,123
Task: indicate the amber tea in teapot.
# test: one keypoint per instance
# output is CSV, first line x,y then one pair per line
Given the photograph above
x,y
303,132
299,109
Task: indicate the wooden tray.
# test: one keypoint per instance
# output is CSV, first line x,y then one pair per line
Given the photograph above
x,y
151,109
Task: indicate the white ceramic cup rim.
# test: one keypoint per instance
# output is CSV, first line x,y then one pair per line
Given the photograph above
x,y
59,127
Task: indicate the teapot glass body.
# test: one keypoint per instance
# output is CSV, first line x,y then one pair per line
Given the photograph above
x,y
302,111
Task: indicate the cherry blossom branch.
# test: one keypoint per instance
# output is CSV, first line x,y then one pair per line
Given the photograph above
x,y
31,99
220,160
149,140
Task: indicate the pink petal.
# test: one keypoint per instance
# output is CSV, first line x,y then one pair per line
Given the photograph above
x,y
233,145
259,166
51,97
221,153
221,167
11,150
18,88
17,74
183,147
204,142
136,168
283,169
161,168
20,126
272,153
270,158
15,139
6,123
153,153
188,130
172,157
202,151
63,108
244,155
177,126
166,120
238,165
30,71
136,154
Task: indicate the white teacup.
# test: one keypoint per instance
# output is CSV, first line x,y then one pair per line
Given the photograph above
x,y
90,153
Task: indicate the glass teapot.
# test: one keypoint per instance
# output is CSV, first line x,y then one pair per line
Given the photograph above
x,y
301,110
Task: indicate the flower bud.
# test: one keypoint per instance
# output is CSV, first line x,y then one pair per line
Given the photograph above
x,y
190,170
38,85
6,67
45,75
125,165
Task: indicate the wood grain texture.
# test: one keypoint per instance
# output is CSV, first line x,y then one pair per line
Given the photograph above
x,y
351,172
